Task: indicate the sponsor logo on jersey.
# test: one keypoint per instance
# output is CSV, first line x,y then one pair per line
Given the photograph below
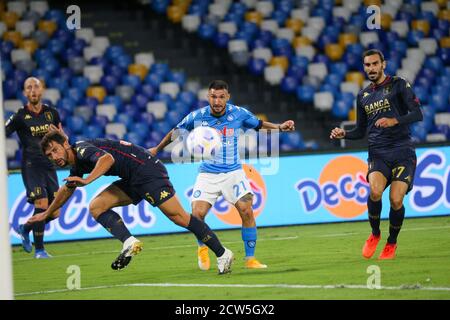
x,y
27,117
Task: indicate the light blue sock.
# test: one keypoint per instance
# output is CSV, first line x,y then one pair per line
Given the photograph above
x,y
249,237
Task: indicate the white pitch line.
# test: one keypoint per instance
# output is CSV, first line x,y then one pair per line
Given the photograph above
x,y
153,248
250,286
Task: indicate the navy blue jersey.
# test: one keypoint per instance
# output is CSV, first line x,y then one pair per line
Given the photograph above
x,y
393,98
129,158
31,127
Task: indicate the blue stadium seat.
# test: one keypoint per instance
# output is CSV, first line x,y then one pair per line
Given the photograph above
x,y
81,83
124,118
91,102
115,100
148,119
58,83
134,137
67,104
10,87
289,84
154,79
75,123
296,71
100,121
148,90
256,66
187,97
140,101
109,83
131,80
93,132
114,70
305,93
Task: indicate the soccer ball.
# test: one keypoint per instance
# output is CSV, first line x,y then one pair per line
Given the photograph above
x,y
203,142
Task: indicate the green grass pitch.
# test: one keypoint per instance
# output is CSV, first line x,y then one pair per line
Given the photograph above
x,y
305,262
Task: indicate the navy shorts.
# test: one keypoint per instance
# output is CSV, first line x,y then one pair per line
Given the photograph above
x,y
151,182
40,183
395,170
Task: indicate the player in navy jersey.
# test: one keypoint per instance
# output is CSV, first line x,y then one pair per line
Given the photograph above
x,y
142,177
32,122
385,109
218,176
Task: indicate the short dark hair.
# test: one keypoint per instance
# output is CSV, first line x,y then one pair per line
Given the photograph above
x,y
218,85
371,52
52,136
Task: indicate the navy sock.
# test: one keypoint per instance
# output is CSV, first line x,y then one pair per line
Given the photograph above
x,y
395,223
38,231
374,212
205,235
112,222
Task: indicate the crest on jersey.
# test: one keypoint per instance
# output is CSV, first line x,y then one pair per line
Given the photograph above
x,y
387,90
230,118
48,116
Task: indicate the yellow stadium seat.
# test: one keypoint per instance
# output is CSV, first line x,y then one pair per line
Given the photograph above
x,y
386,21
334,51
445,42
295,24
347,38
301,42
442,3
421,25
444,14
175,13
10,19
356,77
13,36
281,61
48,26
181,3
352,115
253,16
372,2
262,116
30,45
138,70
97,92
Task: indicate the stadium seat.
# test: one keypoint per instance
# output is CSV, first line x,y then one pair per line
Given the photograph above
x,y
125,92
93,73
52,94
84,112
47,26
19,54
305,51
273,74
171,88
91,52
87,34
11,146
190,22
9,18
40,7
117,129
107,110
14,36
12,105
139,70
97,92
323,101
26,28
157,108
318,70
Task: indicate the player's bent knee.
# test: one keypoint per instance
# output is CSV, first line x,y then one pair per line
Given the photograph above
x,y
376,194
396,203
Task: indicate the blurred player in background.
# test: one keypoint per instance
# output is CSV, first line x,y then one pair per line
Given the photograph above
x,y
32,122
385,108
223,175
142,177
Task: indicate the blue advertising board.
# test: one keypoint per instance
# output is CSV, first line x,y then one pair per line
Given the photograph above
x,y
288,190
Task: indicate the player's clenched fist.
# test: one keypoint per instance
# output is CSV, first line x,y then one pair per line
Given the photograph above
x,y
337,133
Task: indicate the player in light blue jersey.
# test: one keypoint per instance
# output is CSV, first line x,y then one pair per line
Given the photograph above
x,y
219,175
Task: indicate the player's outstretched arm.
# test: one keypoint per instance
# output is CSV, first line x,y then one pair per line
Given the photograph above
x,y
63,194
164,142
104,163
288,125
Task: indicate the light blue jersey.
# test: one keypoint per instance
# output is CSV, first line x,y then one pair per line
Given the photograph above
x,y
235,119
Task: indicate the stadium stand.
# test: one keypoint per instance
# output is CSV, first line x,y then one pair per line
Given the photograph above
x,y
135,69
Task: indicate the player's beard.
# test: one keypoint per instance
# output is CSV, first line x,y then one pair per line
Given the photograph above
x,y
375,76
217,109
34,101
63,162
